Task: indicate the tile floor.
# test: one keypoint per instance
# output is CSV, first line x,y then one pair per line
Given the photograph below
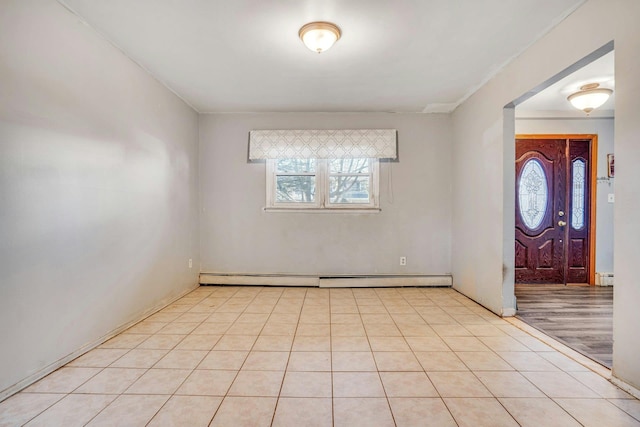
x,y
261,356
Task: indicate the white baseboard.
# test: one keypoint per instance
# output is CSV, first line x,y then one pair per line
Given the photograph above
x,y
257,280
355,281
393,281
604,279
599,369
87,347
508,312
561,347
626,387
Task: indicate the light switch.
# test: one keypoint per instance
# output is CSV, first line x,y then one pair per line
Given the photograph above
x,y
611,198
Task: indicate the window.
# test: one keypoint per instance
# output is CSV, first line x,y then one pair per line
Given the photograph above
x,y
578,199
322,183
323,169
532,193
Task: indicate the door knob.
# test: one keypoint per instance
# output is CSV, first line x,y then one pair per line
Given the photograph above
x,y
562,223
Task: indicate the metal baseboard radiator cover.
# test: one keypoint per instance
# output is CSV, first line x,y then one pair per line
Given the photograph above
x,y
335,281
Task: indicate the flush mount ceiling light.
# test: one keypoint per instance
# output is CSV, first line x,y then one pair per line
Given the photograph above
x,y
319,36
590,97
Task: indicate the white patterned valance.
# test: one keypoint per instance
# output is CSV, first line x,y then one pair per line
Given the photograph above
x,y
322,144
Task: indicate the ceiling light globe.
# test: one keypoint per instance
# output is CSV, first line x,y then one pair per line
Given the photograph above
x,y
319,36
590,97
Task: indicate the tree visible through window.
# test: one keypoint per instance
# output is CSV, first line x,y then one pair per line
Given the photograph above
x,y
349,180
322,183
296,180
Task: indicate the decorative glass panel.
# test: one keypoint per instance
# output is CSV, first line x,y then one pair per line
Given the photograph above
x,y
349,166
295,189
532,193
349,189
578,182
296,166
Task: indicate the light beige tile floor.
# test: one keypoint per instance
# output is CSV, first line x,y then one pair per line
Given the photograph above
x,y
261,356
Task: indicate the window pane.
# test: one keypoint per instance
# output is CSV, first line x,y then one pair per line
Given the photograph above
x,y
579,178
349,166
349,189
296,166
532,194
295,189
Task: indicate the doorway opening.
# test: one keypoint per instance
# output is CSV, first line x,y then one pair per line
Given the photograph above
x,y
555,247
562,207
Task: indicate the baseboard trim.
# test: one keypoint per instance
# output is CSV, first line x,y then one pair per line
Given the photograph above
x,y
508,312
592,365
350,281
561,347
257,280
387,282
626,387
10,391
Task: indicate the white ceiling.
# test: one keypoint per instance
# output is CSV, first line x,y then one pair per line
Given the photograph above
x,y
553,100
400,55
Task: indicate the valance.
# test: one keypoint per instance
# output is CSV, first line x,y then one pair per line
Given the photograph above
x,y
322,144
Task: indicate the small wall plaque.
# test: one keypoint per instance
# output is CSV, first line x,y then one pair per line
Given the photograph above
x,y
610,166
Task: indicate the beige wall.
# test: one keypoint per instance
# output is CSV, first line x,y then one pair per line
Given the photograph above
x,y
484,151
415,221
98,189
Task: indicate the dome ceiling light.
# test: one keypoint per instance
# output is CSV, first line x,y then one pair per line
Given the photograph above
x,y
590,97
319,36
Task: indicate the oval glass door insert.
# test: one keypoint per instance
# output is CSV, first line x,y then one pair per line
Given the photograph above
x,y
532,193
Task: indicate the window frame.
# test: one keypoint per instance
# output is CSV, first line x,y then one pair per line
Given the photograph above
x,y
322,190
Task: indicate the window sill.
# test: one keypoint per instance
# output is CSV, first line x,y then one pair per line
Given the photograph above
x,y
325,210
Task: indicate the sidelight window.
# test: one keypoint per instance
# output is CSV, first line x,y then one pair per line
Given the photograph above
x,y
578,184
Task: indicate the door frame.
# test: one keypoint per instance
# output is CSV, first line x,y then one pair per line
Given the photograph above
x,y
593,181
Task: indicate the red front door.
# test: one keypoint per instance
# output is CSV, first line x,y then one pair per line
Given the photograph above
x,y
552,211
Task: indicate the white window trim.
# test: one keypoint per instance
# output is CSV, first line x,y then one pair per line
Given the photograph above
x,y
321,205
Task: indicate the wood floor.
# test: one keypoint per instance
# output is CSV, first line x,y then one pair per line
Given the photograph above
x,y
579,316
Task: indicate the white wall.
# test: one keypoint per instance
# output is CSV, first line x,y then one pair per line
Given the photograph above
x,y
238,236
98,189
603,127
482,249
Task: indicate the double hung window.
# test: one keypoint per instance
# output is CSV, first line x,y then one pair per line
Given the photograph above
x,y
326,169
346,183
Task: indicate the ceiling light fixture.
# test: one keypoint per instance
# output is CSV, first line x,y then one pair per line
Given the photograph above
x,y
319,36
590,97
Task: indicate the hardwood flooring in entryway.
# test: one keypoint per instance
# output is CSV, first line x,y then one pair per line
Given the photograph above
x,y
579,316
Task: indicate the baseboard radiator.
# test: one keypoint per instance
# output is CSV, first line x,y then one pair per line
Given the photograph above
x,y
604,279
341,281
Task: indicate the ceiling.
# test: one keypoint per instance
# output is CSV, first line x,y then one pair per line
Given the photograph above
x,y
400,55
552,101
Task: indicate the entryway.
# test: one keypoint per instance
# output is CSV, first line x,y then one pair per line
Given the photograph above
x,y
555,243
555,207
563,211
